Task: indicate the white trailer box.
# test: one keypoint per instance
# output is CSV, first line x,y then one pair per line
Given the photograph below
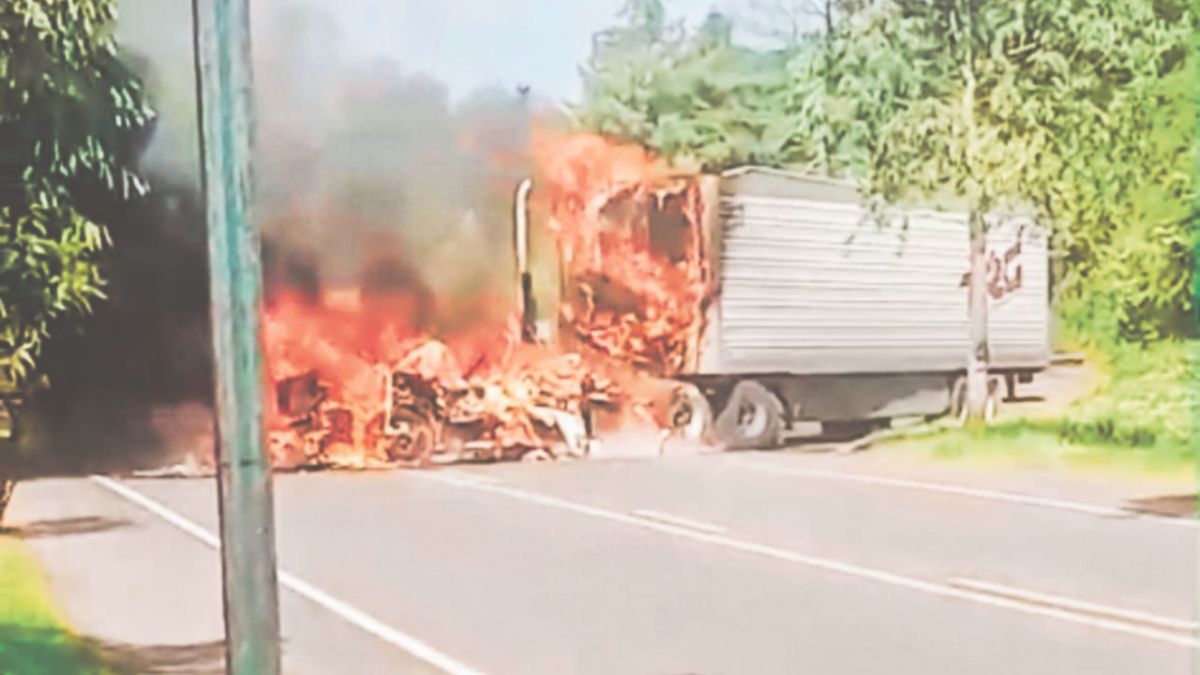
x,y
845,318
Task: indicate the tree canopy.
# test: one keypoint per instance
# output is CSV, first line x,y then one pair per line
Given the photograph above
x,y
1080,109
694,96
68,109
1073,108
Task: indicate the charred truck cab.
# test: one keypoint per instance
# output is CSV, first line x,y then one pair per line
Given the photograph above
x,y
800,307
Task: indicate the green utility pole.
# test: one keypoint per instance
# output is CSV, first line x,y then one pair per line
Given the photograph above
x,y
226,103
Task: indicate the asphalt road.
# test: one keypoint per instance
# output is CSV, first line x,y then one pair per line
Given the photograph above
x,y
748,563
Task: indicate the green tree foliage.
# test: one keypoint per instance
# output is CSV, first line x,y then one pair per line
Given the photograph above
x,y
67,107
1011,102
705,101
996,100
1129,217
695,97
1081,109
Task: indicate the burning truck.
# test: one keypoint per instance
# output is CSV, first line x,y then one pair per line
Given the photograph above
x,y
720,310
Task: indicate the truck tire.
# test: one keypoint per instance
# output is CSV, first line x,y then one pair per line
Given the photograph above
x,y
958,400
752,418
991,409
690,417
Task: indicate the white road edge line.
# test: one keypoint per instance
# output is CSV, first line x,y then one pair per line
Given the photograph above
x,y
829,565
669,519
960,491
351,614
1071,604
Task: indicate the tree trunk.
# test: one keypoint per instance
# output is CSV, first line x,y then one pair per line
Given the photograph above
x,y
7,486
977,312
8,446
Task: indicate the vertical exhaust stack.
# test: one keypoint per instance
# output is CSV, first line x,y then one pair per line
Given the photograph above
x,y
524,278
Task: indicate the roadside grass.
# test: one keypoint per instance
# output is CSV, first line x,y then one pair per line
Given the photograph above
x,y
33,639
1038,443
1140,419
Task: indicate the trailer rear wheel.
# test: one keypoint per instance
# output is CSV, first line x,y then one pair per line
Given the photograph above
x,y
991,408
690,417
752,418
958,400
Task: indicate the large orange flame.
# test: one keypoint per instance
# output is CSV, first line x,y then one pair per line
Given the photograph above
x,y
348,368
629,235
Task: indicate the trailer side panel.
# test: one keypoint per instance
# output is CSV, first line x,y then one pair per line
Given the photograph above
x,y
810,285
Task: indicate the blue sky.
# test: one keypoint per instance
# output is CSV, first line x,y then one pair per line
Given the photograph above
x,y
474,43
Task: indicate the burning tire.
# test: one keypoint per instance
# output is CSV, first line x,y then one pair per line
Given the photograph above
x,y
752,418
415,441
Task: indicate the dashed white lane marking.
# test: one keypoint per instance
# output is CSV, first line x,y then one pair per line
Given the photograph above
x,y
353,615
959,491
1071,604
669,519
827,564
